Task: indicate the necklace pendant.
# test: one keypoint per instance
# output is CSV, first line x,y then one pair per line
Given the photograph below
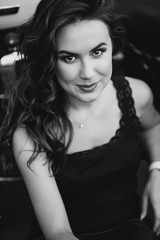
x,y
81,125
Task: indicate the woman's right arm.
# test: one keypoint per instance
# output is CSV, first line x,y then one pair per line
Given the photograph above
x,y
42,189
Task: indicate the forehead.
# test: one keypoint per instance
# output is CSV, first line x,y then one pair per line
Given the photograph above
x,y
82,34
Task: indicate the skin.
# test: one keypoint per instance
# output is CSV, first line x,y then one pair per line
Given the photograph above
x,y
150,135
84,58
74,74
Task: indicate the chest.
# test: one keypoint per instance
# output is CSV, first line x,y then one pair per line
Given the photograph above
x,y
96,131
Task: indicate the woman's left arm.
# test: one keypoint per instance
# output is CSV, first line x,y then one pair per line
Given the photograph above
x,y
150,135
151,140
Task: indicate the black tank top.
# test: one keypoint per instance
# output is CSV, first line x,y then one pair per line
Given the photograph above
x,y
98,186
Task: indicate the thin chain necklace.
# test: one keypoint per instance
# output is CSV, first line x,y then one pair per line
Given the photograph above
x,y
82,124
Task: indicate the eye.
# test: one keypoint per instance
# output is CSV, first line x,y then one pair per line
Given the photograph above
x,y
98,52
68,59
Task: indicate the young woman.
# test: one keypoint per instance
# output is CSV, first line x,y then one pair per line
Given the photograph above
x,y
76,130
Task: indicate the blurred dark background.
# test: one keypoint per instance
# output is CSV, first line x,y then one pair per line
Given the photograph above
x,y
140,59
142,49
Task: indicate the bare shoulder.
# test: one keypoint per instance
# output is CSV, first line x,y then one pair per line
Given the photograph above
x,y
142,94
21,142
143,97
20,136
23,150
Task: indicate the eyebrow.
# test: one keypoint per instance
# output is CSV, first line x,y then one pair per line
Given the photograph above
x,y
72,53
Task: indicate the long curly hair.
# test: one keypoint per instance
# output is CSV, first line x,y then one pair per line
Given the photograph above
x,y
36,100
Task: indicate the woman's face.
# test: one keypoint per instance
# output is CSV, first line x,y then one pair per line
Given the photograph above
x,y
84,64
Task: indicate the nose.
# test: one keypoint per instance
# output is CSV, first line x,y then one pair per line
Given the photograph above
x,y
87,70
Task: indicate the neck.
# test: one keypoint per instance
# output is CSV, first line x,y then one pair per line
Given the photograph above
x,y
80,113
80,106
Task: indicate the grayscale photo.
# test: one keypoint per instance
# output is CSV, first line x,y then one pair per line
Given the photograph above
x,y
79,120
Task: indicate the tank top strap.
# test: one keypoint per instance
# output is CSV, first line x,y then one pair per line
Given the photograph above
x,y
126,101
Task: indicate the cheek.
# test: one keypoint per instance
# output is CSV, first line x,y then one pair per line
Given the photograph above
x,y
66,73
105,66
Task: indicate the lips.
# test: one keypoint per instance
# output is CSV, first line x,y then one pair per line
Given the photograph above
x,y
88,87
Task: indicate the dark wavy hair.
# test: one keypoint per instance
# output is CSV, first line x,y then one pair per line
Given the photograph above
x,y
36,100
